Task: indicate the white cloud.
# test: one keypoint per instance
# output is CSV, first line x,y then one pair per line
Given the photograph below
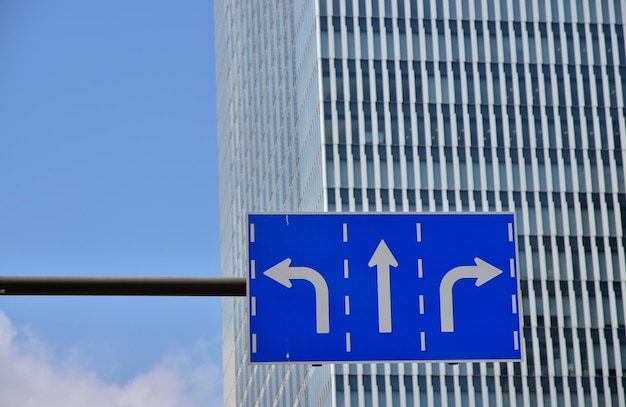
x,y
28,378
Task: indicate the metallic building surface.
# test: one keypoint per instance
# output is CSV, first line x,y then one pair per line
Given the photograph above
x,y
269,156
493,105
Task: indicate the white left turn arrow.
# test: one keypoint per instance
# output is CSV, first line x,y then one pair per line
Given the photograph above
x,y
482,272
383,259
283,273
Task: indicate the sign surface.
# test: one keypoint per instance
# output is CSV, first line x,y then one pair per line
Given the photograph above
x,y
346,287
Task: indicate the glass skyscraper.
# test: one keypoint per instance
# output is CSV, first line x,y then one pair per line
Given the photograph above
x,y
437,105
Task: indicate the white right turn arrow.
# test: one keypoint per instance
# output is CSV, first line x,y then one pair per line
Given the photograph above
x,y
482,272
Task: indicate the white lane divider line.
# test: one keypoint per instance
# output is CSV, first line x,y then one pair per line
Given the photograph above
x,y
345,232
347,304
253,306
512,267
345,268
514,303
421,298
348,344
510,232
253,343
253,269
418,230
420,273
252,237
515,340
423,341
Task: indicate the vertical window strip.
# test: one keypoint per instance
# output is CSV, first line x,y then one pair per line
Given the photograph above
x,y
578,362
428,204
561,132
430,392
368,149
471,171
604,348
481,189
471,391
336,176
596,132
414,134
554,363
453,166
445,186
463,159
499,378
351,176
510,168
544,170
402,183
498,178
570,131
551,349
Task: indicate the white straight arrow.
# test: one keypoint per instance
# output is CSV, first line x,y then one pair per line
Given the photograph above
x,y
482,272
383,259
283,273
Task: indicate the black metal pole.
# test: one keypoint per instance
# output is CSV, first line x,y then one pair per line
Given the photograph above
x,y
127,286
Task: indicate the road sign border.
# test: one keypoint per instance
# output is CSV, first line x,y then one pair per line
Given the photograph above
x,y
250,234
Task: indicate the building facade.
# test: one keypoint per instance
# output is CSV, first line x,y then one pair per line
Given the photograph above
x,y
440,105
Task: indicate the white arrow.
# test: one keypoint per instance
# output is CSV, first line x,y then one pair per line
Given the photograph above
x,y
482,272
283,273
383,259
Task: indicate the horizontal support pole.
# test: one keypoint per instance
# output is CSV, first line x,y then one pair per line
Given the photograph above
x,y
124,286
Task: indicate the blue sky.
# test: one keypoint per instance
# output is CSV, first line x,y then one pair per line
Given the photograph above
x,y
108,167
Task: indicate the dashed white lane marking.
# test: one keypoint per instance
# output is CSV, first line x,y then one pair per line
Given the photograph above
x,y
347,304
253,306
418,230
422,341
253,269
512,267
252,237
253,343
421,298
345,268
348,344
514,303
420,273
345,232
515,340
510,232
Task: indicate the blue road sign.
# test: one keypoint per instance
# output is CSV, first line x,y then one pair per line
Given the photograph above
x,y
336,287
